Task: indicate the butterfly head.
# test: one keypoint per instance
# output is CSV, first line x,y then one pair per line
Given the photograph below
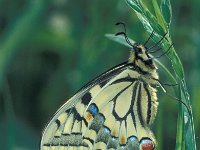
x,y
140,57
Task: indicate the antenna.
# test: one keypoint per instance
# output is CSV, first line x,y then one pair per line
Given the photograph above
x,y
124,33
149,38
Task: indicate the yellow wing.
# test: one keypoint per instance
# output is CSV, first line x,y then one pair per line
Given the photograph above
x,y
111,112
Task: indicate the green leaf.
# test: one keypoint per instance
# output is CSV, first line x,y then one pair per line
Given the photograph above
x,y
119,39
147,15
176,64
166,11
145,23
158,14
154,23
134,5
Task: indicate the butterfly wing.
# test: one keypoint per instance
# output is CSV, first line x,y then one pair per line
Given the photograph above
x,y
111,112
82,97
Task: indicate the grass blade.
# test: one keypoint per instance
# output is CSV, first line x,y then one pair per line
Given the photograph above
x,y
166,11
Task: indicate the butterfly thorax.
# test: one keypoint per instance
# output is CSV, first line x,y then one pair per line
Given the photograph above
x,y
141,59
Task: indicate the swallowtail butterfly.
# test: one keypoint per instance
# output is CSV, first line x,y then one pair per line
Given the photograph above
x,y
113,111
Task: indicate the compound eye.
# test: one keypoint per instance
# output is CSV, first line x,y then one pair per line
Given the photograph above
x,y
147,144
139,50
149,61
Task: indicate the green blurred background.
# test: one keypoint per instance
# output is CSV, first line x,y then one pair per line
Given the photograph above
x,y
51,48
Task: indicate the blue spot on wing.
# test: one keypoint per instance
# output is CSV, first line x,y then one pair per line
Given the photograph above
x,y
93,109
113,139
133,138
101,117
106,130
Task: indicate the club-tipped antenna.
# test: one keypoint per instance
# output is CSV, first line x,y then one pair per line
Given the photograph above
x,y
124,33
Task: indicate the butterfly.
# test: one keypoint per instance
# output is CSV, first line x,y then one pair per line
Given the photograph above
x,y
113,111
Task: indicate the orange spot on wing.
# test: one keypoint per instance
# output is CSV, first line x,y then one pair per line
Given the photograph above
x,y
114,133
88,117
122,140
